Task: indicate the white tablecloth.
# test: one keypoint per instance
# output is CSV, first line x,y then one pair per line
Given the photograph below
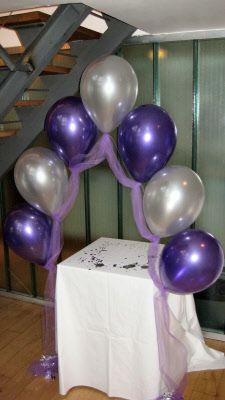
x,y
106,330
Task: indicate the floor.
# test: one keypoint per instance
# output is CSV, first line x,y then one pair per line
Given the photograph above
x,y
20,344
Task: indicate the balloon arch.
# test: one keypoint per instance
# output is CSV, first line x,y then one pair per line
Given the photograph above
x,y
173,198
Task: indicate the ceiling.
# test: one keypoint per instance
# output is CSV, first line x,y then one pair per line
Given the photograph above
x,y
152,16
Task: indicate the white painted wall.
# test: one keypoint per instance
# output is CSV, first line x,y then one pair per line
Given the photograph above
x,y
153,16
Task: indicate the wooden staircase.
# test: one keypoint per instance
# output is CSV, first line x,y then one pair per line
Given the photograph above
x,y
61,63
10,124
47,66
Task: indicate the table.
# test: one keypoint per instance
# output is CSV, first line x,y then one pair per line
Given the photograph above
x,y
106,332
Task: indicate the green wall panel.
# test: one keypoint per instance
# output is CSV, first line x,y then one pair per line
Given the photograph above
x,y
211,141
19,268
74,225
210,165
2,275
175,83
141,59
103,202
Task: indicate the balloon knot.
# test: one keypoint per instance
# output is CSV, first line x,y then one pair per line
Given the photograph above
x,y
57,217
156,239
74,169
49,264
138,185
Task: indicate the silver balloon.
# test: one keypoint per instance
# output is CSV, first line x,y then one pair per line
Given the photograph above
x,y
172,200
108,90
42,179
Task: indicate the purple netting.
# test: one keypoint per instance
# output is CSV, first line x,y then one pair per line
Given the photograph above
x,y
169,347
169,396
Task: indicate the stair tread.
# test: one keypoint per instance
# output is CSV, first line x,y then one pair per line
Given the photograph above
x,y
84,34
48,69
7,133
29,103
35,17
23,19
15,50
55,69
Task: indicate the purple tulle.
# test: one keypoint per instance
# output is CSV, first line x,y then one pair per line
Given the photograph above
x,y
47,366
169,347
170,396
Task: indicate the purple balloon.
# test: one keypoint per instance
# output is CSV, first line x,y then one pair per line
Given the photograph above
x,y
70,130
191,261
146,140
27,231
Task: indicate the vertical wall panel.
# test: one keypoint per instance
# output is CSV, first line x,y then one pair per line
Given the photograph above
x,y
2,278
74,225
141,59
103,202
19,268
211,167
5,278
41,276
40,272
211,145
175,60
210,151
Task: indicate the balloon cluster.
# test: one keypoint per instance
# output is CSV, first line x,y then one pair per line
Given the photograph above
x,y
173,195
42,179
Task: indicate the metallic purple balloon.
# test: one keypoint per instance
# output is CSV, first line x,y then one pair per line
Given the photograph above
x,y
146,140
27,231
70,130
191,261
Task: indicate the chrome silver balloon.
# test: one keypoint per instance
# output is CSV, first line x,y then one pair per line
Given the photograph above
x,y
108,90
42,179
173,199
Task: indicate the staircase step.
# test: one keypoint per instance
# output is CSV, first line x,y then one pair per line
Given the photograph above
x,y
84,34
33,17
38,17
48,70
10,124
16,50
11,118
55,70
63,59
29,103
60,64
8,133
